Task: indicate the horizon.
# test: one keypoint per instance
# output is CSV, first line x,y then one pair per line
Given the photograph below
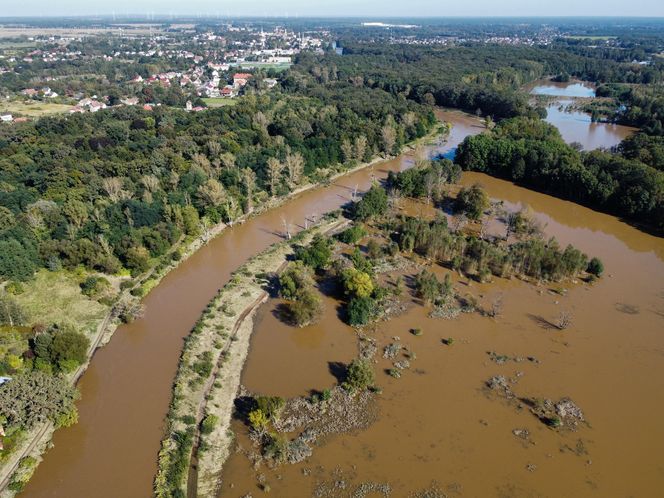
x,y
427,9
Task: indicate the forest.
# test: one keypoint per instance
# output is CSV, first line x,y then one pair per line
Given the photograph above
x,y
532,153
118,188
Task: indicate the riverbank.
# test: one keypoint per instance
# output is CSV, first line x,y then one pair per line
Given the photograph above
x,y
209,372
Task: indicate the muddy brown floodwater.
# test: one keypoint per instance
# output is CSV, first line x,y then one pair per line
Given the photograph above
x,y
439,428
112,451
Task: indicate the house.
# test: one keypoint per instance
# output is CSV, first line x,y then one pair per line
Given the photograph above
x,y
129,101
137,79
147,107
241,79
227,91
30,92
270,82
6,118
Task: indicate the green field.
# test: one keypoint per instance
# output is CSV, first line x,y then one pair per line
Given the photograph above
x,y
282,66
32,108
55,297
590,37
219,102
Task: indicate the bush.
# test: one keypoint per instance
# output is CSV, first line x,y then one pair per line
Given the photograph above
x,y
258,419
94,287
361,310
595,267
297,276
352,235
271,406
472,201
372,204
359,375
317,255
357,283
307,309
68,349
208,424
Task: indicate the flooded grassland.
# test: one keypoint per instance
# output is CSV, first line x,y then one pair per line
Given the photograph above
x,y
440,428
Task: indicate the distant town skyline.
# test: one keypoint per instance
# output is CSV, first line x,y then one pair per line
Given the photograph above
x,y
338,8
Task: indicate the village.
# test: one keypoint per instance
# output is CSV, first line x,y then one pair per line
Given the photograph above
x,y
209,68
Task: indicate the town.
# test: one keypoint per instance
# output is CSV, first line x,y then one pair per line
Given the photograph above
x,y
197,70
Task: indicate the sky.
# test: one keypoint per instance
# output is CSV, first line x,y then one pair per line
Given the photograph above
x,y
336,8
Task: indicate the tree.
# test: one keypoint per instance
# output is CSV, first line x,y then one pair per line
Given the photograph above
x,y
138,259
472,201
595,267
347,151
359,375
34,397
372,204
295,168
274,169
389,137
296,276
317,255
11,312
361,310
249,180
360,147
68,349
306,309
211,193
357,283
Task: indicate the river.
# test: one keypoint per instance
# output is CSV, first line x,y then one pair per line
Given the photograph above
x,y
112,451
576,126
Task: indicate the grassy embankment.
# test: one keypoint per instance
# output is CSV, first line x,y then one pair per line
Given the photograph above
x,y
209,372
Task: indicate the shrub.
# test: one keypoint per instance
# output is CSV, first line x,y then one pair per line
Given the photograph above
x,y
352,235
208,424
297,276
372,204
359,375
361,310
95,286
595,267
357,283
68,349
258,419
307,309
472,201
270,405
276,447
317,255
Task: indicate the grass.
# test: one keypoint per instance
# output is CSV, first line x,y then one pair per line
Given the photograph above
x,y
32,109
278,66
213,102
64,302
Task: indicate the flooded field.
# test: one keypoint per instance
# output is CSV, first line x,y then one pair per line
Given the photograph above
x,y
438,426
127,389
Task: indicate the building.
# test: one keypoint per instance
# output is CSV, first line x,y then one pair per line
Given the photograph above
x,y
241,79
6,118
